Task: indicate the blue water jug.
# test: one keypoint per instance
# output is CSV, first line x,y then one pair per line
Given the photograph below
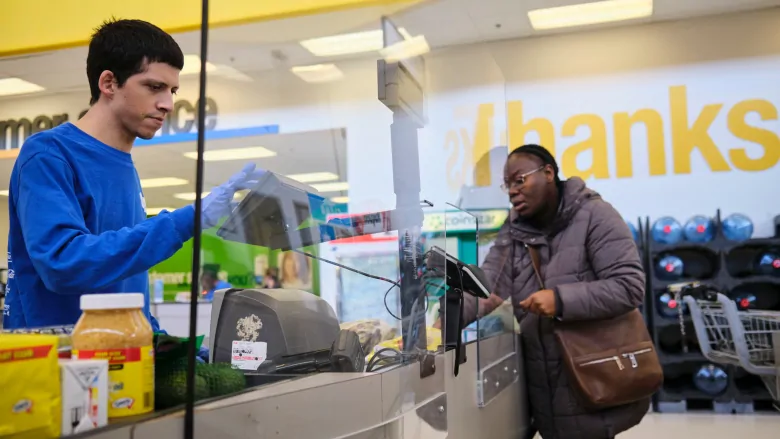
x,y
634,231
699,229
769,263
737,227
667,230
669,268
711,379
668,306
745,301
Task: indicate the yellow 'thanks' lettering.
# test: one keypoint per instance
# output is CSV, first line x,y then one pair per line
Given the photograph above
x,y
452,145
596,143
654,126
685,138
483,141
767,139
518,129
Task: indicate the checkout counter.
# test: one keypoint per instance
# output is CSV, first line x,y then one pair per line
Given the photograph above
x,y
423,398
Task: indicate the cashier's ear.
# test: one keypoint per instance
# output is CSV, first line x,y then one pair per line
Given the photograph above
x,y
107,83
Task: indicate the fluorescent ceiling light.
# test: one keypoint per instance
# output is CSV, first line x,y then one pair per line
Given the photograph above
x,y
314,177
192,65
190,196
162,182
590,13
17,86
231,73
358,42
340,199
331,187
318,73
157,210
218,155
406,49
4,193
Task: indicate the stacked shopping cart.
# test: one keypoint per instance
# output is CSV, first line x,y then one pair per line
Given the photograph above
x,y
750,339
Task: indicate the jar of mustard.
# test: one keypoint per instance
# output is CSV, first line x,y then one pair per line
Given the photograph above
x,y
113,327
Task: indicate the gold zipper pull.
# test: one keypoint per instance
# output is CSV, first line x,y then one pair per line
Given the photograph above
x,y
619,363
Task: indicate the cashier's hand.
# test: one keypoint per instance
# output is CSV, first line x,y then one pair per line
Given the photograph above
x,y
219,203
541,303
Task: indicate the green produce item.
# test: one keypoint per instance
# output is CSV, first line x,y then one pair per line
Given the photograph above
x,y
211,380
171,390
221,378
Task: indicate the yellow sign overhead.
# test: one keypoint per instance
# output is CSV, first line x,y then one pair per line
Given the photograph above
x,y
26,27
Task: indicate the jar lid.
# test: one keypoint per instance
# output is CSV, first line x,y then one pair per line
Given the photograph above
x,y
112,301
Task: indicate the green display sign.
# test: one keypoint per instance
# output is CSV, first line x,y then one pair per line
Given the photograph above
x,y
241,265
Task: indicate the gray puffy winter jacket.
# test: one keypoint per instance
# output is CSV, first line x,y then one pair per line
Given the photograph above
x,y
590,259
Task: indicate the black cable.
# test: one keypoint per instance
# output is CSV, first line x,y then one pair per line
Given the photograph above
x,y
387,361
189,409
387,293
376,357
348,268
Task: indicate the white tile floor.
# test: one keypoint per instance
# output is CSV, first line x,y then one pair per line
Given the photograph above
x,y
706,426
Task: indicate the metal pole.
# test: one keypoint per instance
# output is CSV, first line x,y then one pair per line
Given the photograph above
x,y
189,411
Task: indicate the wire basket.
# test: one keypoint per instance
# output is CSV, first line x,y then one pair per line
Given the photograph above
x,y
739,338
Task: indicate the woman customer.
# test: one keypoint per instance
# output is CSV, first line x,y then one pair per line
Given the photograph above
x,y
590,268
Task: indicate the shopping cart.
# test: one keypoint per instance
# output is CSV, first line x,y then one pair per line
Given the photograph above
x,y
749,339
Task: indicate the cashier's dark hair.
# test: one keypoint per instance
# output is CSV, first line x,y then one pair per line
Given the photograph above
x,y
541,153
125,48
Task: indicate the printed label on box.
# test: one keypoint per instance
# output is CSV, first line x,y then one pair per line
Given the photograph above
x,y
248,355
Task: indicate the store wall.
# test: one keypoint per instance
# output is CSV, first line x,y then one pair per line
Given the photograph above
x,y
673,118
706,88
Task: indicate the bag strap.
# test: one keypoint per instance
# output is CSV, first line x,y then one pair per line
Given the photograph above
x,y
536,262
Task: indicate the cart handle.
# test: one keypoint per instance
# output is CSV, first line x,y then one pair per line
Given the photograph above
x,y
700,292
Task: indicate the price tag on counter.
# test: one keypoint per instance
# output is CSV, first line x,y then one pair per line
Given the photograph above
x,y
248,355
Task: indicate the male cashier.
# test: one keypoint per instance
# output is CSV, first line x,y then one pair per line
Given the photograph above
x,y
77,213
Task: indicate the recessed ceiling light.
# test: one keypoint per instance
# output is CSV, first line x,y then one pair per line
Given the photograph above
x,y
357,42
162,182
192,65
340,199
4,193
318,73
590,13
331,187
17,86
157,210
218,155
314,177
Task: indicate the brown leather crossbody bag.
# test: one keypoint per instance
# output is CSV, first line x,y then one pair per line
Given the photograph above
x,y
610,362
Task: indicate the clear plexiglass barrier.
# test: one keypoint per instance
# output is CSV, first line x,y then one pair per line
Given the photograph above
x,y
347,206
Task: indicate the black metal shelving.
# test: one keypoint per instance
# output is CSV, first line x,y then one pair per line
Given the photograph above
x,y
728,266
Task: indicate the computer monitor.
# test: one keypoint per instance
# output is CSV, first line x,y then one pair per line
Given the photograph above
x,y
272,213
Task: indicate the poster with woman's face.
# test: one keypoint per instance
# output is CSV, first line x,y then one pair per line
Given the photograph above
x,y
295,271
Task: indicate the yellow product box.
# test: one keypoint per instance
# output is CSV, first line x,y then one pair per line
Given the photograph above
x,y
30,383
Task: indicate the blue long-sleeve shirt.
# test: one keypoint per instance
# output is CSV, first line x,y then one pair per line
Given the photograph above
x,y
78,225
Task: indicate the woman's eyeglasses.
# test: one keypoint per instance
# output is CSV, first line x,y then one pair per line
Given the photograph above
x,y
519,180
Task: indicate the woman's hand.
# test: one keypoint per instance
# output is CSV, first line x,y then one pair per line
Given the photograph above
x,y
541,303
